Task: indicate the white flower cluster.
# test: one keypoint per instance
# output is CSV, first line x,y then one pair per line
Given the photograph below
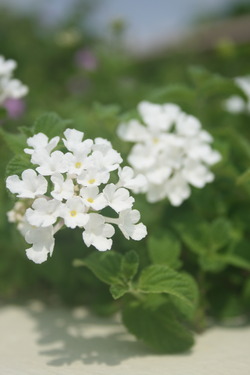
x,y
171,151
236,104
10,88
72,188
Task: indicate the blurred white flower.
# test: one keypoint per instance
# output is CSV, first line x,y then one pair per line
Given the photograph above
x,y
71,189
171,151
236,104
10,88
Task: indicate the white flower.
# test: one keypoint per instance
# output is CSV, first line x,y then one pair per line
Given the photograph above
x,y
98,233
128,179
93,177
6,66
92,198
43,212
132,131
9,87
43,243
118,199
108,161
39,142
171,151
73,142
57,162
236,104
158,117
68,187
74,213
128,220
197,174
73,138
63,189
30,186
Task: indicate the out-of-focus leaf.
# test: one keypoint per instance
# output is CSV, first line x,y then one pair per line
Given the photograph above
x,y
15,142
105,265
165,250
156,327
129,265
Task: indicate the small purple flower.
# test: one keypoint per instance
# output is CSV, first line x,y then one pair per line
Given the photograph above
x,y
86,59
15,107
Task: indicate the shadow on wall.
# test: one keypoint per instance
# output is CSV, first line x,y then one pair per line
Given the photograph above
x,y
74,335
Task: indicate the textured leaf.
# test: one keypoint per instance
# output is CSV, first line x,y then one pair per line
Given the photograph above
x,y
220,233
129,265
118,290
165,250
157,327
18,164
162,279
50,124
105,265
15,142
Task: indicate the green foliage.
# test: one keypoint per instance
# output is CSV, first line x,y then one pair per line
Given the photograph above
x,y
50,124
165,250
182,296
157,325
162,279
196,264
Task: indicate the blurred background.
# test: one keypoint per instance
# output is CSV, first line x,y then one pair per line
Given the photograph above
x,y
77,56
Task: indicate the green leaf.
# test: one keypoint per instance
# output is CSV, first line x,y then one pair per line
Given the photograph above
x,y
129,265
18,164
28,132
106,111
195,234
220,233
3,113
213,84
165,250
173,93
157,327
118,290
50,124
15,142
162,279
105,265
244,179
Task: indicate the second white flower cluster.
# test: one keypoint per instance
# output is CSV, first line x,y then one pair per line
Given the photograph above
x,y
72,188
171,150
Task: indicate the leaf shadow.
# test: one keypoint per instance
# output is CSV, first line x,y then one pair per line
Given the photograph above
x,y
67,336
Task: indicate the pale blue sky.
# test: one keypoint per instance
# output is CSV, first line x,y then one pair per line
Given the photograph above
x,y
149,21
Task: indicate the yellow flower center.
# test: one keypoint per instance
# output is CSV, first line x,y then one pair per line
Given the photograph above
x,y
155,140
73,213
90,200
91,181
78,164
